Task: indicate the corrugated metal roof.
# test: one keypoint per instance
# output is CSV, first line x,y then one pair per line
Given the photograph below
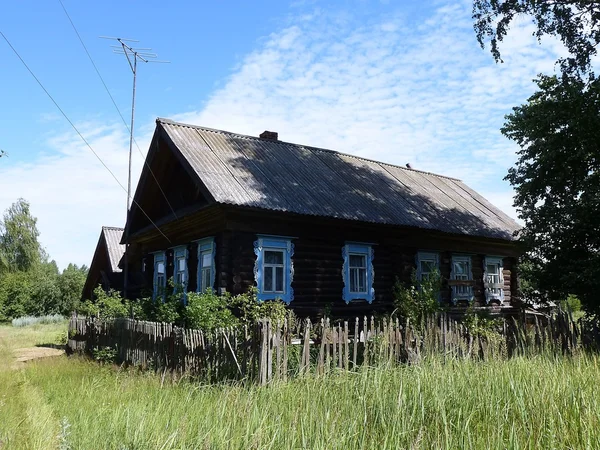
x,y
250,171
112,237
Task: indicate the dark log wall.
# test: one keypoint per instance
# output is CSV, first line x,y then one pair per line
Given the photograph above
x,y
317,259
318,283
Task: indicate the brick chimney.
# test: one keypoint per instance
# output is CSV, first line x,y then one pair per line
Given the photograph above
x,y
271,135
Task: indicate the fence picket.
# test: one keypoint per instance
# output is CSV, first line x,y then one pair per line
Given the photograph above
x,y
248,353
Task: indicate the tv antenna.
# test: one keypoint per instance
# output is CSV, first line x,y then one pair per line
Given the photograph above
x,y
133,55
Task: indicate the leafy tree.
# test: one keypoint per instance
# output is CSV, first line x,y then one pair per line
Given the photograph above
x,y
557,184
70,285
15,294
575,22
19,235
45,296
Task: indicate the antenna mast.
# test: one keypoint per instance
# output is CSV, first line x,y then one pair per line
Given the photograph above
x,y
133,55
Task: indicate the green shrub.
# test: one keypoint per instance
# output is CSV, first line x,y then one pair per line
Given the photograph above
x,y
571,303
208,311
418,299
105,355
480,323
250,310
107,305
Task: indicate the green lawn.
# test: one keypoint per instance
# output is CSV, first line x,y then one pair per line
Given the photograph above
x,y
522,403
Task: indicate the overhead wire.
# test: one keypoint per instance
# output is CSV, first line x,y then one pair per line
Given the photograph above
x,y
77,130
115,105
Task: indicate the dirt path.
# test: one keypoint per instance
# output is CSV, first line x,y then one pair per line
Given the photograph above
x,y
28,354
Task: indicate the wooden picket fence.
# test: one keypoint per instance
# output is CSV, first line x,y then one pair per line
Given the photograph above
x,y
270,352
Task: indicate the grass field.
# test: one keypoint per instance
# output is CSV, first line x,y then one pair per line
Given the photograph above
x,y
523,403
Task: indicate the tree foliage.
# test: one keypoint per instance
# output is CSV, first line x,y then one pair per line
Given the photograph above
x,y
557,184
29,283
575,22
19,235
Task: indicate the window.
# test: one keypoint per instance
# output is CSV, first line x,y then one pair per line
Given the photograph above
x,y
273,269
206,264
427,263
357,272
461,272
160,275
180,267
493,279
180,271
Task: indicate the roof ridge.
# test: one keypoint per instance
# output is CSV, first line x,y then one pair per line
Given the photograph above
x,y
309,147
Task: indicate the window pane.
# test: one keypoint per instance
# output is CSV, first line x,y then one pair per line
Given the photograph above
x,y
358,261
205,279
460,268
268,279
492,269
206,259
362,280
181,264
353,280
160,268
279,279
427,267
273,257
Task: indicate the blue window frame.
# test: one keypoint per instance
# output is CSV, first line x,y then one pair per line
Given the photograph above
x,y
357,272
427,263
461,270
493,279
274,267
206,264
160,275
180,269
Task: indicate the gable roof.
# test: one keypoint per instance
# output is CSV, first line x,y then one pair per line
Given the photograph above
x,y
114,248
274,175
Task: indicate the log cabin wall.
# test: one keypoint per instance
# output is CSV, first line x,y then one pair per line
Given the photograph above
x,y
318,261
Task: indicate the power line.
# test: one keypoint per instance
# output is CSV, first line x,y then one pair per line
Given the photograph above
x,y
77,131
115,105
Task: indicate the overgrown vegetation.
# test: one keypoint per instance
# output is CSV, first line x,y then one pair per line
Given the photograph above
x,y
418,299
30,283
557,175
27,321
539,402
205,311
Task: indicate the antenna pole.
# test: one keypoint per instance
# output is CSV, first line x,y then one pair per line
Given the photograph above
x,y
131,133
132,55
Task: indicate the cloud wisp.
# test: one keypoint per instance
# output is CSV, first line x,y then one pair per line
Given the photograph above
x,y
392,88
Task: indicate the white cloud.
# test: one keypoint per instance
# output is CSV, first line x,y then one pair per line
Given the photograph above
x,y
421,93
70,192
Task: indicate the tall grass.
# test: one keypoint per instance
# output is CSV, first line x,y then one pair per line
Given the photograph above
x,y
538,402
27,321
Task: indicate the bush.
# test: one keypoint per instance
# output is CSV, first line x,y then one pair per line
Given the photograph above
x,y
418,299
481,323
205,311
107,305
105,355
250,310
208,311
32,320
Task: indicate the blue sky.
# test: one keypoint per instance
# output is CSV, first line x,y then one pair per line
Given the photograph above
x,y
394,81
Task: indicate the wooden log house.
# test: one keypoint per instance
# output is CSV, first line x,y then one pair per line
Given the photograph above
x,y
322,230
104,269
